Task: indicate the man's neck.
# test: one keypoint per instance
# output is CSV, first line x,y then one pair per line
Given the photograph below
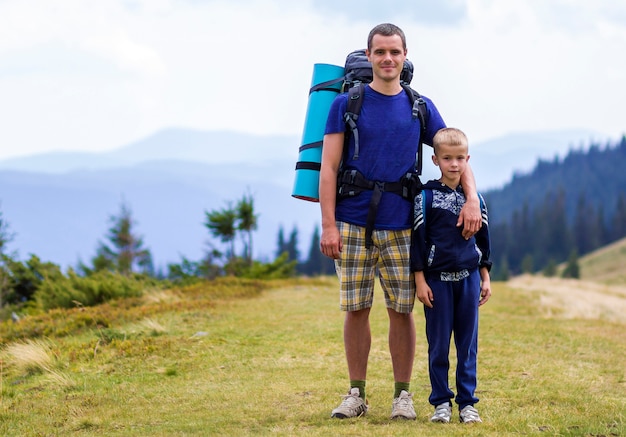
x,y
386,88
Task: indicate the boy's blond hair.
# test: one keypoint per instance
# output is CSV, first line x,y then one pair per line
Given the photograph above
x,y
450,136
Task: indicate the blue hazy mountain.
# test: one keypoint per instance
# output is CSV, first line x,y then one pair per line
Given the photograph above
x,y
58,204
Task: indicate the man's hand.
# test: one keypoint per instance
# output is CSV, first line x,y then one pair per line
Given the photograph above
x,y
330,243
470,217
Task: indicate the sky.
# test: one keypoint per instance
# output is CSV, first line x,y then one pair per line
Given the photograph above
x,y
97,75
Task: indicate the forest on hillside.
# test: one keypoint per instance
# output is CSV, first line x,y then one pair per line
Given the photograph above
x,y
562,209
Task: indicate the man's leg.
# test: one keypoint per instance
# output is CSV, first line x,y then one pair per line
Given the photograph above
x,y
402,348
398,285
357,340
401,344
355,270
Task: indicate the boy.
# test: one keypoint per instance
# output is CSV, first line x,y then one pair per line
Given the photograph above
x,y
448,273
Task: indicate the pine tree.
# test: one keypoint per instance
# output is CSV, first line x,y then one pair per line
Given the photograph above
x,y
587,233
317,263
6,236
572,269
527,264
550,269
292,245
503,272
223,225
247,223
227,222
126,251
281,246
552,233
619,219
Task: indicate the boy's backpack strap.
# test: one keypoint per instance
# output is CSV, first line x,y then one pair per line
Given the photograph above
x,y
427,203
353,109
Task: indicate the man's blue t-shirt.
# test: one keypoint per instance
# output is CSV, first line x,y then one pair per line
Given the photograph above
x,y
388,139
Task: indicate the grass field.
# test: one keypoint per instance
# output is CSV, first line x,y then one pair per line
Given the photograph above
x,y
199,361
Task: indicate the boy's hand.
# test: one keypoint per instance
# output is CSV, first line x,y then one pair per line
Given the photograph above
x,y
425,294
485,292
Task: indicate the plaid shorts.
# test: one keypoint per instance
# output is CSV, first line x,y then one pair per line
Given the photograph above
x,y
357,266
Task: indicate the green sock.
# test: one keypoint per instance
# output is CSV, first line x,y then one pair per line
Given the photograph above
x,y
399,386
360,385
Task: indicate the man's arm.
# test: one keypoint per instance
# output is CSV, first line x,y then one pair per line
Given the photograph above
x,y
469,217
332,149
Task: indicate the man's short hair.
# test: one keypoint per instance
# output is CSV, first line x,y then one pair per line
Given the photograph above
x,y
386,29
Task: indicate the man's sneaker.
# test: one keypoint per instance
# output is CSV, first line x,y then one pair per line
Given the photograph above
x,y
469,415
442,413
402,407
351,406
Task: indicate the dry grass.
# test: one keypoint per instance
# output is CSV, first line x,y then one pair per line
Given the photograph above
x,y
605,265
273,364
33,357
30,356
575,299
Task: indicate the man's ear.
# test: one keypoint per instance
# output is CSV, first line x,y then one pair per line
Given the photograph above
x,y
434,157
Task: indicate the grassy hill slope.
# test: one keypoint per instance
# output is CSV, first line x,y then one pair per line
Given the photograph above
x,y
259,358
606,265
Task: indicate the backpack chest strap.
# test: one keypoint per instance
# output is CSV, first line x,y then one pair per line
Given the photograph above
x,y
352,183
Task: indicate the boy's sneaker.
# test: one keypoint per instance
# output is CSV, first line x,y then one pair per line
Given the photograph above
x,y
469,414
402,407
351,406
442,413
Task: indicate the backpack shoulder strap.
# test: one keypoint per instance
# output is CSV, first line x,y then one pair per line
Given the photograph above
x,y
353,109
419,111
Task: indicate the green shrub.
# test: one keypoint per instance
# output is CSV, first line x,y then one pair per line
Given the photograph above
x,y
73,290
20,280
280,268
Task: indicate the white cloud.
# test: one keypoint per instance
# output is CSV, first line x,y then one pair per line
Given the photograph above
x,y
97,75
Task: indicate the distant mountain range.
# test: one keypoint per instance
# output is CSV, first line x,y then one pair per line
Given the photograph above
x,y
58,203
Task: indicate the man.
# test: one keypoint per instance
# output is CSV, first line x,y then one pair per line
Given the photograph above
x,y
388,138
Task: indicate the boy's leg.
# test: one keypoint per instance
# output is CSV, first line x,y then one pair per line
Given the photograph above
x,y
466,338
439,323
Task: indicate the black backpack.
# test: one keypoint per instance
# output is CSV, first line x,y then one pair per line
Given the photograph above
x,y
358,69
358,73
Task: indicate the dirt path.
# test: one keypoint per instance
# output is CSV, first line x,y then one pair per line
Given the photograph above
x,y
570,298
